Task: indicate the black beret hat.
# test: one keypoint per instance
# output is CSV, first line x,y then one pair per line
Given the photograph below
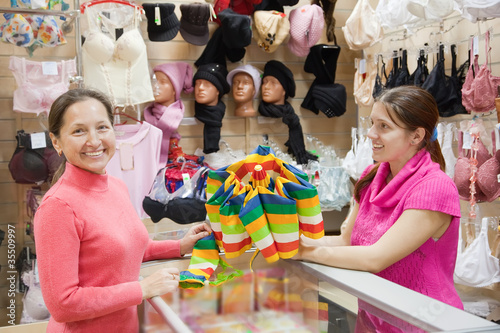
x,y
168,24
215,74
284,75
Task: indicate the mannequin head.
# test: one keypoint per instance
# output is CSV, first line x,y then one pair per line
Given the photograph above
x,y
172,79
243,87
245,81
277,83
210,84
272,91
165,89
206,92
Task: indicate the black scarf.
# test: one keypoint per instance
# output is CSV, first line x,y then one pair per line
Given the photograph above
x,y
211,116
295,142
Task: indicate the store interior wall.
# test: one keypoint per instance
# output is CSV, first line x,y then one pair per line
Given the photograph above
x,y
240,133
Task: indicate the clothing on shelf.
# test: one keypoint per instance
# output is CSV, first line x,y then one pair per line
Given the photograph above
x,y
362,28
480,87
474,10
114,54
364,82
360,155
475,265
446,132
39,83
136,160
34,308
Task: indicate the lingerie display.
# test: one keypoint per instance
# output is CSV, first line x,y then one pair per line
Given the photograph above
x,y
114,54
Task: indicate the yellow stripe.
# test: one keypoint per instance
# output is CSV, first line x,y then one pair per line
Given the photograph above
x,y
258,224
206,254
275,257
316,235
197,271
282,218
288,255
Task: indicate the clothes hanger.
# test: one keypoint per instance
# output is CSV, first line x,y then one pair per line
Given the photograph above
x,y
121,113
84,5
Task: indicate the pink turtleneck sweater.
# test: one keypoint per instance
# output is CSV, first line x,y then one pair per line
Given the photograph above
x,y
419,185
90,244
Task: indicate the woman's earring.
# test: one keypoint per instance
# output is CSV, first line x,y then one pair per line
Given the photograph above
x,y
59,152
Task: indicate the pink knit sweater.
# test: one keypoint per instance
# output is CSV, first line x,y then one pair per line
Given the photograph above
x,y
419,185
90,244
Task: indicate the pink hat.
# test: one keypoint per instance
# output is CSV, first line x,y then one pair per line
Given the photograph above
x,y
306,27
180,74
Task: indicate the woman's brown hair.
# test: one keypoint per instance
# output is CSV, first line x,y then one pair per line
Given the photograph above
x,y
413,107
60,106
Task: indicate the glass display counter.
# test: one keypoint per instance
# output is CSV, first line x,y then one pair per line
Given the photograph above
x,y
292,296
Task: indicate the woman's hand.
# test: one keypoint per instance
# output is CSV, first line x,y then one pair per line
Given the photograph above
x,y
194,234
161,282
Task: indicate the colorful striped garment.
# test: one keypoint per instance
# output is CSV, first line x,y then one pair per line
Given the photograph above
x,y
272,217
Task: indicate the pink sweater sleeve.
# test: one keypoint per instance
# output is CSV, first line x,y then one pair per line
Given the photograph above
x,y
58,233
162,250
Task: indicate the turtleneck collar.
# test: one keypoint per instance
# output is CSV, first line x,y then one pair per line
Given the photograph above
x,y
85,179
389,195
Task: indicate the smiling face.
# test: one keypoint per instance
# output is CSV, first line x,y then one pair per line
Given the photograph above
x,y
86,137
390,141
272,90
243,87
205,92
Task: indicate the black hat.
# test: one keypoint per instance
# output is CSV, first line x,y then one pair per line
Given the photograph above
x,y
330,99
166,27
194,23
284,75
215,74
288,2
236,29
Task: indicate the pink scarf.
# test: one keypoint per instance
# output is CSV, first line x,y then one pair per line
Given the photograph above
x,y
166,118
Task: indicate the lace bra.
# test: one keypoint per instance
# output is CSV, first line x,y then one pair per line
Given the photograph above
x,y
479,91
39,83
475,266
362,29
101,48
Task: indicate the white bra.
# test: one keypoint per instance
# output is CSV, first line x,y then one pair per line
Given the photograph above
x,y
475,266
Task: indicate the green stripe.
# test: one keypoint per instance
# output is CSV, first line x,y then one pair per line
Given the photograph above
x,y
310,211
280,209
252,215
233,229
261,233
214,217
201,260
284,228
206,245
303,194
214,175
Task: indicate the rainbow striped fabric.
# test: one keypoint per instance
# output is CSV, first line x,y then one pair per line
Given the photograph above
x,y
204,260
271,216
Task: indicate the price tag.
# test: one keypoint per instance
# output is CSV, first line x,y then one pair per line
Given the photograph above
x,y
38,140
475,45
126,156
362,66
49,68
467,141
185,178
157,16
